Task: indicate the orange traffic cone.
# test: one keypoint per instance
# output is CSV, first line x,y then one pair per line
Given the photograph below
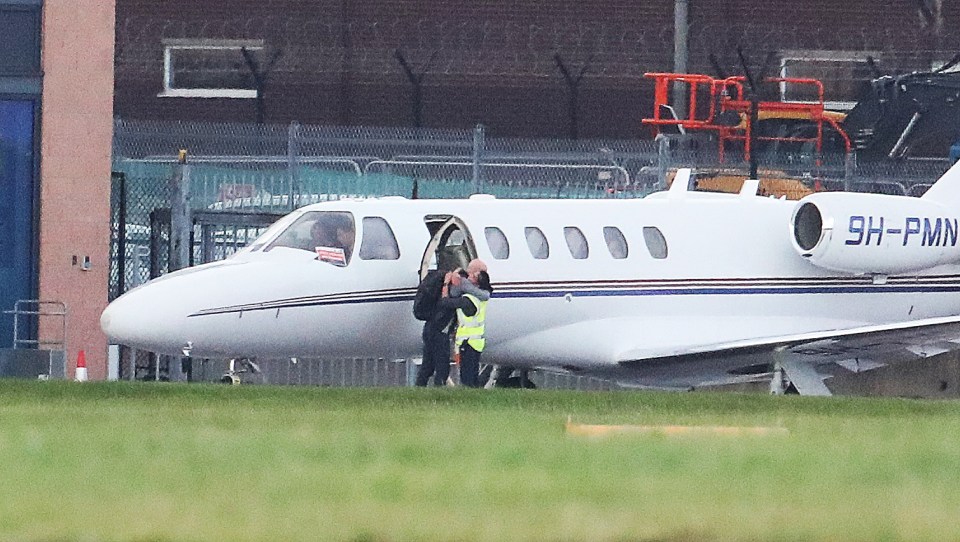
x,y
81,373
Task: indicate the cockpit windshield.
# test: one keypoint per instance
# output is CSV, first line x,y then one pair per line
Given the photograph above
x,y
329,234
269,233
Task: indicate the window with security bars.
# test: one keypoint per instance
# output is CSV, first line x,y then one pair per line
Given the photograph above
x,y
209,68
20,40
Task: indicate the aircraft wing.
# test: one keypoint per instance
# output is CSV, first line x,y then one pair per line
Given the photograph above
x,y
807,358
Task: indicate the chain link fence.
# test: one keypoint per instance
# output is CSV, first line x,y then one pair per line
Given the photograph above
x,y
274,169
277,168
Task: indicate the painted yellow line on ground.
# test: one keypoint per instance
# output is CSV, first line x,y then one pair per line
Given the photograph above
x,y
588,430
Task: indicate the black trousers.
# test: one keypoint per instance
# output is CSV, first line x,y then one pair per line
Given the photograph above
x,y
436,359
469,366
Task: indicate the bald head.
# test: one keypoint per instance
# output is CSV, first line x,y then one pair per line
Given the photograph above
x,y
474,267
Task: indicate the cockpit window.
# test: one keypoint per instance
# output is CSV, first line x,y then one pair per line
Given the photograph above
x,y
378,242
329,234
270,233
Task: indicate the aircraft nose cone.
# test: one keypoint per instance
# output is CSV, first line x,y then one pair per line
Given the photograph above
x,y
106,319
124,320
156,316
147,318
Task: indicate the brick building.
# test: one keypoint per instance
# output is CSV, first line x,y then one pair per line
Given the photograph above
x,y
56,94
443,63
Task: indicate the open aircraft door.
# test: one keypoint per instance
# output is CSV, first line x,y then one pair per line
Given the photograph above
x,y
451,245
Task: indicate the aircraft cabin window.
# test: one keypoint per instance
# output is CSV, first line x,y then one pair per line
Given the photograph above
x,y
497,241
537,242
379,242
656,242
576,242
616,242
329,234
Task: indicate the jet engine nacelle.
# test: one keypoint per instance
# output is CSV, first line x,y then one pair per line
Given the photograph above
x,y
874,233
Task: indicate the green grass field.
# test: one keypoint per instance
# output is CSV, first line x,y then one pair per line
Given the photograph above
x,y
126,461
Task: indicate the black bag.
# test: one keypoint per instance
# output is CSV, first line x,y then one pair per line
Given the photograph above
x,y
428,294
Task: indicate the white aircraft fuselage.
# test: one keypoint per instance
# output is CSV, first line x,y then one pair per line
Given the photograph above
x,y
733,271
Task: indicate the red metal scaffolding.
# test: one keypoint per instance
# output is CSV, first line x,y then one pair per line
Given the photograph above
x,y
729,96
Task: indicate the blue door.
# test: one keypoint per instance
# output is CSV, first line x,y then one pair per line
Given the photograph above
x,y
16,210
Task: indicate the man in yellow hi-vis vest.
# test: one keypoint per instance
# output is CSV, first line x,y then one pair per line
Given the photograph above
x,y
471,318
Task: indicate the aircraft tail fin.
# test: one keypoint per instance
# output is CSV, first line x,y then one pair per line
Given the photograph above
x,y
947,187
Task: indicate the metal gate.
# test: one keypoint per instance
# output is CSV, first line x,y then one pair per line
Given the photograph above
x,y
215,235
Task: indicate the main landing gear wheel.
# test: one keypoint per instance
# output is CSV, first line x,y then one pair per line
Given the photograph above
x,y
780,384
237,367
503,377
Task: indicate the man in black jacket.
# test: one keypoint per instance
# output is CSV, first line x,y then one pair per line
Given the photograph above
x,y
436,344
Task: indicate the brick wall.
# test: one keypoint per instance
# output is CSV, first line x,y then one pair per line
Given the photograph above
x,y
75,173
492,62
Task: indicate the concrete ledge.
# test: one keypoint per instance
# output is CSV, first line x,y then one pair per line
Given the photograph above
x,y
29,363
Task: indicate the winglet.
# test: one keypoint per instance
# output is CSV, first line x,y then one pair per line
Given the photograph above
x,y
750,187
947,187
681,182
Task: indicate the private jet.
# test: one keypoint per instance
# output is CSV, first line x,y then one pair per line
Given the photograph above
x,y
676,290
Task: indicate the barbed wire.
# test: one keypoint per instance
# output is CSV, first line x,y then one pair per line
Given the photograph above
x,y
312,49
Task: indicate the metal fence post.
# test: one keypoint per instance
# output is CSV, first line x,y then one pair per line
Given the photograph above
x,y
478,143
411,369
121,225
132,374
293,152
663,160
849,168
681,51
181,223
